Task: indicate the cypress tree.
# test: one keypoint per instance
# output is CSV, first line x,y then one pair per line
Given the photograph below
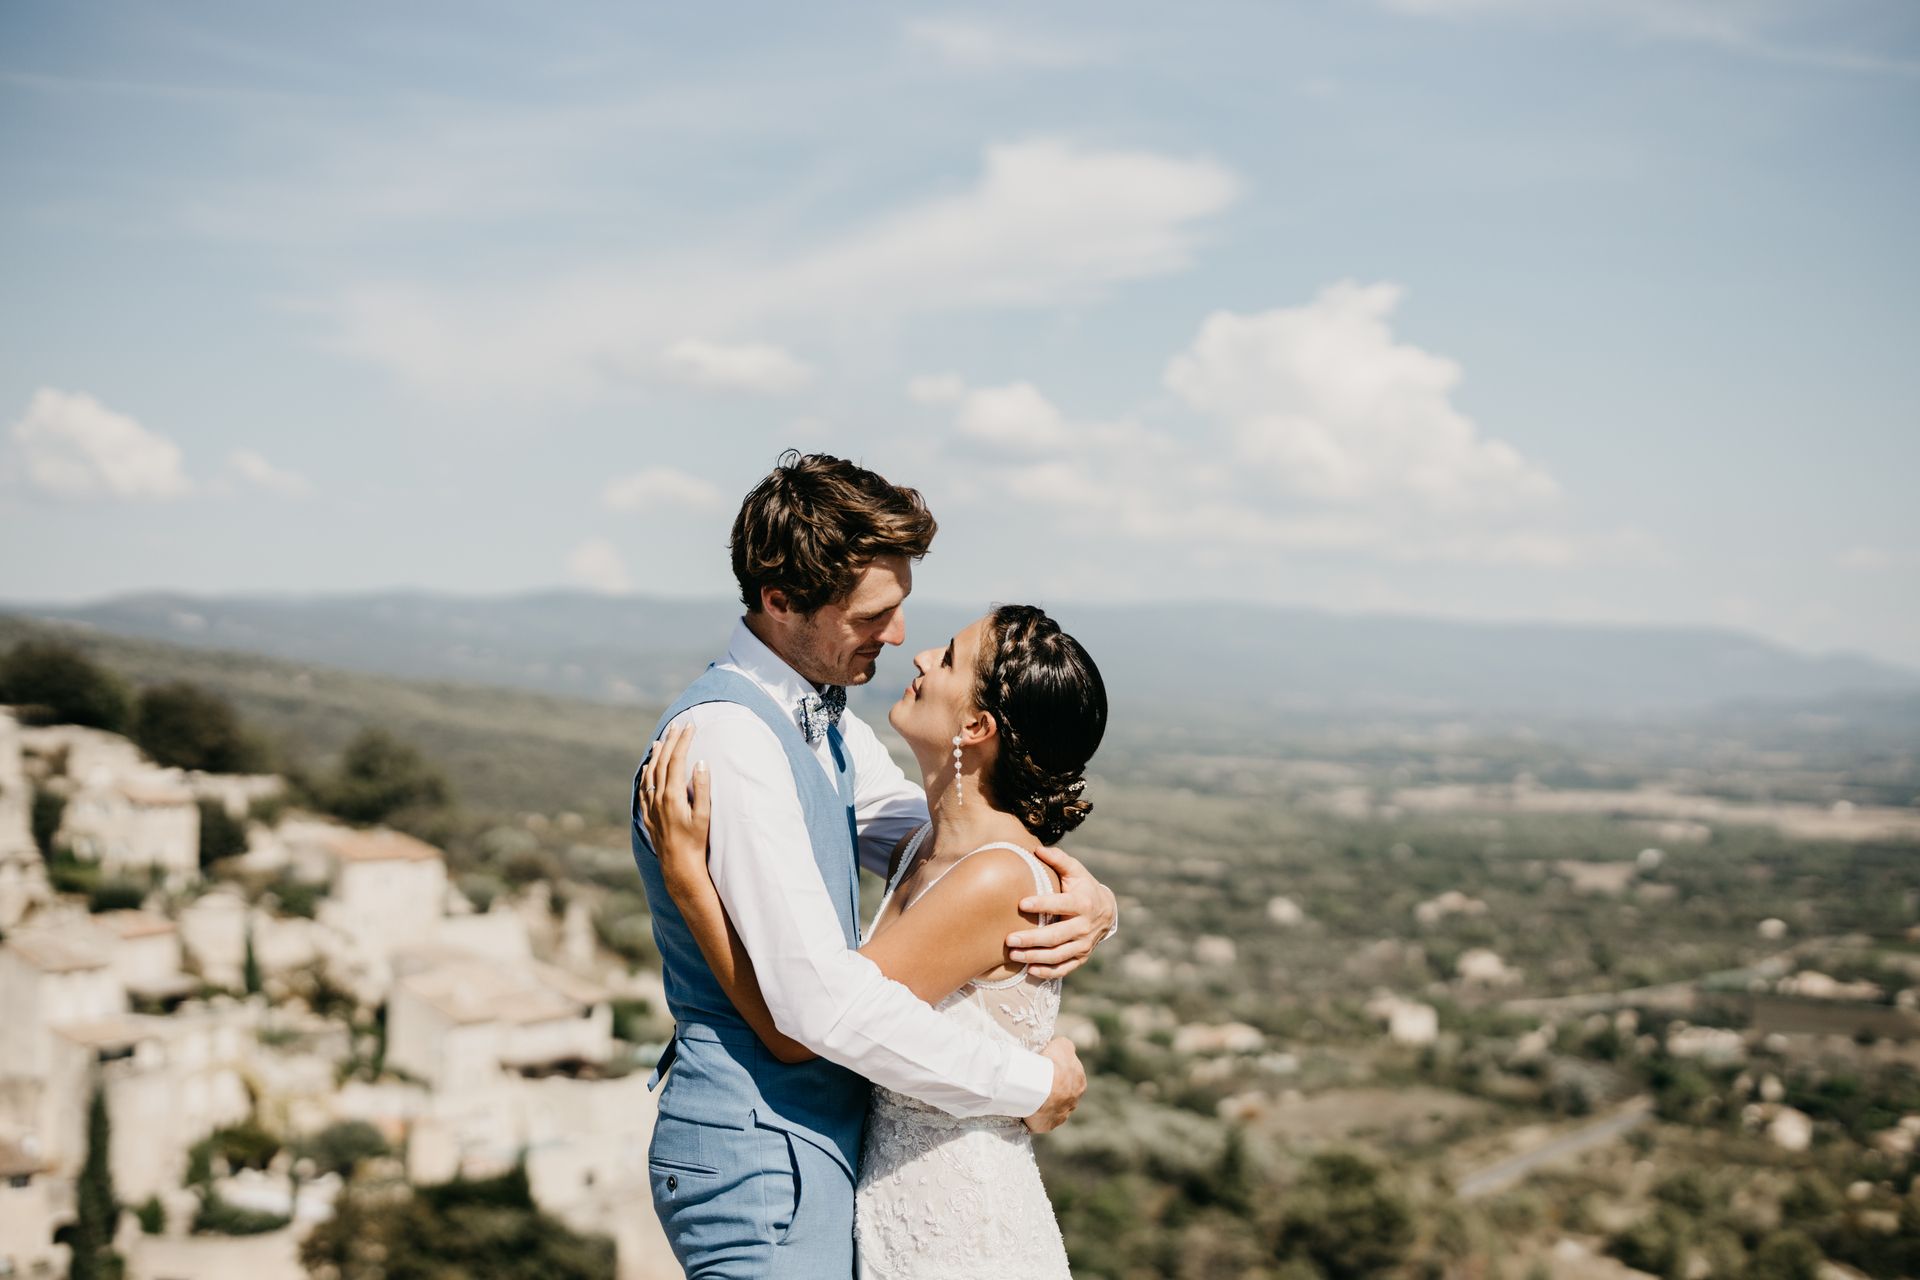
x,y
250,971
97,1213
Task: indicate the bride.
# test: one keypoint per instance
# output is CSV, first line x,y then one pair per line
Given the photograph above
x,y
1002,722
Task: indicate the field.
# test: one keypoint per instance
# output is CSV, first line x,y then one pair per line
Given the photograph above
x,y
1617,933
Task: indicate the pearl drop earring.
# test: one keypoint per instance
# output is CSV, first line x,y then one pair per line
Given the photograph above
x,y
959,794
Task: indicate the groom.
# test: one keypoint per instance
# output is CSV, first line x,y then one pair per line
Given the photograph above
x,y
754,1161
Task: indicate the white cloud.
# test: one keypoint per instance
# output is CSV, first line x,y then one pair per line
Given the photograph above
x,y
1329,406
757,367
970,45
595,564
76,447
1788,31
936,388
655,487
1015,418
1048,222
1864,559
1308,430
255,469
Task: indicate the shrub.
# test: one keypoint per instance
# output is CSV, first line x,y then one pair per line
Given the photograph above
x,y
1785,1255
343,1146
152,1215
484,1228
636,1022
199,1164
189,727
243,1146
221,835
49,808
1656,1244
116,895
67,874
217,1217
379,776
268,810
297,897
625,928
54,683
1344,1219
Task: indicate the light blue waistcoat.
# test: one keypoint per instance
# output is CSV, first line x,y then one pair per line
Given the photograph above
x,y
721,1075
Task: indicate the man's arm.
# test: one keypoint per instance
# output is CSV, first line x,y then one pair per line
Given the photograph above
x,y
887,805
829,998
1086,914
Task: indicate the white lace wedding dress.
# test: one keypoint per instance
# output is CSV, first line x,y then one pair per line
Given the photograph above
x,y
942,1198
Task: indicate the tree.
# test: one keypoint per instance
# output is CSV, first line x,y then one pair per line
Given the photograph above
x,y
250,968
1231,1182
342,1147
1658,1243
1786,1255
49,807
1345,1220
96,1211
56,684
485,1227
216,1216
244,1146
221,834
190,727
118,894
380,776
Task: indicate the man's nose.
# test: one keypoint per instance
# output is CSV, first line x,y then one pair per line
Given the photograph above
x,y
896,631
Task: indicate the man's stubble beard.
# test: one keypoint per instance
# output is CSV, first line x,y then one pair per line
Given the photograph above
x,y
811,663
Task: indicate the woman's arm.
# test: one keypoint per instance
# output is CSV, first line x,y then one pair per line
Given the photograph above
x,y
956,931
677,818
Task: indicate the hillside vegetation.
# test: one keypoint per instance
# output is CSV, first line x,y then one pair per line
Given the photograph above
x,y
502,749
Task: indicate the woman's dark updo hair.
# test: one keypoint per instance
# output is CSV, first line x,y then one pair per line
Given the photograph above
x,y
1050,705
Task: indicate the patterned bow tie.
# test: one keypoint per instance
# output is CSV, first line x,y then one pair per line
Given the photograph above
x,y
821,711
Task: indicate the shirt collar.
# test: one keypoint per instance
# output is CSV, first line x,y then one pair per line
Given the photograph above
x,y
749,655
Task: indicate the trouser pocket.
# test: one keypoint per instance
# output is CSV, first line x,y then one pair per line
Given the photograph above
x,y
681,1163
781,1184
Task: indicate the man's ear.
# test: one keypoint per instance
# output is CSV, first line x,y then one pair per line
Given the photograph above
x,y
774,601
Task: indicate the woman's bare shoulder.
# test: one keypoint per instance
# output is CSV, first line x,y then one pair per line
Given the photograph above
x,y
995,877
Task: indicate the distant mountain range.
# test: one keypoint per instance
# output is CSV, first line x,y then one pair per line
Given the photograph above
x,y
1246,661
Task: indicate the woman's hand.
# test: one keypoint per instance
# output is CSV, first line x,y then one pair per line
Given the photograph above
x,y
677,816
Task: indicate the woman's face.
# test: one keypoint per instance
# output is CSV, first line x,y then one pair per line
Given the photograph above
x,y
940,698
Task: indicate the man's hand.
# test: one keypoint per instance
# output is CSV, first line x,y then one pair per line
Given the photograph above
x,y
1085,912
1069,1083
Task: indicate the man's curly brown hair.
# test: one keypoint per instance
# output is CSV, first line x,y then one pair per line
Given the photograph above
x,y
815,523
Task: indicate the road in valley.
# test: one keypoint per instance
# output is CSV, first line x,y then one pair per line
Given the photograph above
x,y
1504,1173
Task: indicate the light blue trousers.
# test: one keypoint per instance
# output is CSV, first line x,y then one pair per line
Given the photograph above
x,y
739,1204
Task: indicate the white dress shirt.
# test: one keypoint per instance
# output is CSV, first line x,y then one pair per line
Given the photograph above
x,y
823,994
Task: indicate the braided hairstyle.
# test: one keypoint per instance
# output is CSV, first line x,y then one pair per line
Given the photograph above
x,y
1050,705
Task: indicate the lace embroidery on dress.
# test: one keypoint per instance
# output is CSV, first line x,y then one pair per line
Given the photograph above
x,y
948,1198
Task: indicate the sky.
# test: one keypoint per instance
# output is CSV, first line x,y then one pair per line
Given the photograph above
x,y
1572,310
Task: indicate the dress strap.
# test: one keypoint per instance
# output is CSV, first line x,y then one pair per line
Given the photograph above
x,y
1040,881
908,854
